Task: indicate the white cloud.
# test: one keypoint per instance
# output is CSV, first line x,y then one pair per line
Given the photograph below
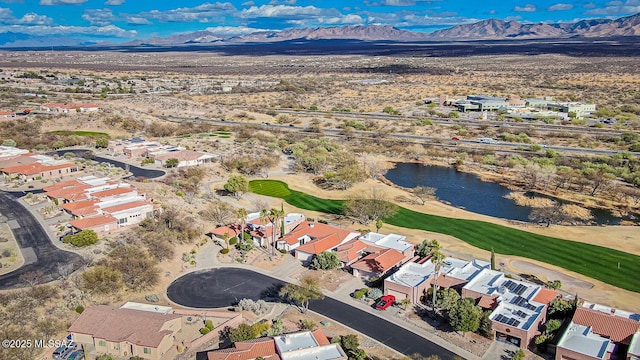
x,y
40,30
398,2
99,17
205,12
492,12
285,11
234,30
62,2
248,3
526,8
560,7
114,2
34,19
617,8
136,20
589,5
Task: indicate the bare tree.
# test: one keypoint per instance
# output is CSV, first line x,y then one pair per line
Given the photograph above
x,y
548,215
64,270
423,193
32,278
218,212
369,206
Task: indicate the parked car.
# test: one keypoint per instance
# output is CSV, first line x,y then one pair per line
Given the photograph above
x,y
61,352
385,302
455,139
76,355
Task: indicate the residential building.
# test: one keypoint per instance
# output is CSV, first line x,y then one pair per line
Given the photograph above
x,y
147,332
39,167
7,114
310,238
413,279
389,241
378,264
141,148
293,346
599,332
481,103
518,308
184,157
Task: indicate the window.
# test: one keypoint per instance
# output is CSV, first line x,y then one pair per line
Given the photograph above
x,y
122,221
102,343
116,346
147,351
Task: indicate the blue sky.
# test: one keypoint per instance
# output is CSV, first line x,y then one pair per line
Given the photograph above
x,y
124,20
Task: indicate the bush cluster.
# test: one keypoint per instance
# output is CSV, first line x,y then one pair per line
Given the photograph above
x,y
257,307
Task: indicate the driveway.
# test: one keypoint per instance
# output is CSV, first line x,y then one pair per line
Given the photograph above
x,y
223,287
135,170
36,247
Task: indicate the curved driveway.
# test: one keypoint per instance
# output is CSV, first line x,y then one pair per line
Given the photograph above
x,y
135,170
223,287
36,247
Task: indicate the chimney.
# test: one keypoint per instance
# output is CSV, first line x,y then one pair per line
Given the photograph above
x,y
312,224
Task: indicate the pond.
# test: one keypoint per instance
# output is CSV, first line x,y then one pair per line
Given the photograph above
x,y
469,192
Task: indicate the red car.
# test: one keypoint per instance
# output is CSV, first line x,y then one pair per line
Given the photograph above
x,y
385,302
455,139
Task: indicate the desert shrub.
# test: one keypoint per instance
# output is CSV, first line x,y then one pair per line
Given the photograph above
x,y
205,331
374,293
257,307
79,309
224,251
360,293
81,239
307,324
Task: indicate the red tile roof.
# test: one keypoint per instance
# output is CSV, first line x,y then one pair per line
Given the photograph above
x,y
445,281
126,206
90,222
62,185
247,350
617,328
350,250
232,230
35,168
320,337
113,192
486,302
79,204
380,262
317,246
545,296
317,231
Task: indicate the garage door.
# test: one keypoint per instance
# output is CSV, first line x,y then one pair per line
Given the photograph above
x,y
399,296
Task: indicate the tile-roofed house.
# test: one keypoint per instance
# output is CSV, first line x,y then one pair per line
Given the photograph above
x,y
247,350
308,231
125,332
114,192
389,241
303,345
100,223
308,250
545,296
350,252
580,343
185,157
41,170
378,264
619,329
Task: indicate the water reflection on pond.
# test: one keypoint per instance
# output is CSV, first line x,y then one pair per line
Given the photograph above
x,y
468,191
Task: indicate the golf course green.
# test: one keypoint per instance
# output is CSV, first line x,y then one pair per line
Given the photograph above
x,y
607,265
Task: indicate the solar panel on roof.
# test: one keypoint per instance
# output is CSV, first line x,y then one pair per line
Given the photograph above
x,y
521,314
520,289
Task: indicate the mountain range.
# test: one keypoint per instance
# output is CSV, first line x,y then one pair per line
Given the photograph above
x,y
491,29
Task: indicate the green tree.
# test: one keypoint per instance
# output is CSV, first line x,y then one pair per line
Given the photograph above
x,y
326,260
519,355
448,298
171,163
237,185
242,214
81,239
57,145
242,332
485,328
552,325
405,303
465,316
379,224
349,343
307,290
437,258
560,307
555,284
9,142
102,143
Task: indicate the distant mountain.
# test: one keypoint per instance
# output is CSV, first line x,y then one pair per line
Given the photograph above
x,y
491,29
497,29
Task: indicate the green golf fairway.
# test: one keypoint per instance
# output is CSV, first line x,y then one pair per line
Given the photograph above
x,y
607,265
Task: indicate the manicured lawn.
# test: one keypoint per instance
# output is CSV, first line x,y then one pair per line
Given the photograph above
x,y
590,260
80,133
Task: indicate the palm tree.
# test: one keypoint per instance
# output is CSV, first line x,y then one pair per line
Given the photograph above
x,y
274,216
242,214
437,258
264,217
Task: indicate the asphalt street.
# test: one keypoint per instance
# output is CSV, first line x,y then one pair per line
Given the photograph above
x,y
40,254
223,287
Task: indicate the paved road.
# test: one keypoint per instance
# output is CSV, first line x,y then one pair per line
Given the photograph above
x,y
135,170
223,287
37,249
